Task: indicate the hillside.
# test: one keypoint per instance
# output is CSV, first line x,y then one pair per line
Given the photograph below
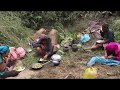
x,y
13,32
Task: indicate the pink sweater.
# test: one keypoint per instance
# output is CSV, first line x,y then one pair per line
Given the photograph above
x,y
114,49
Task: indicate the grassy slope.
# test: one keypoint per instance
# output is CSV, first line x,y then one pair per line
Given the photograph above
x,y
16,33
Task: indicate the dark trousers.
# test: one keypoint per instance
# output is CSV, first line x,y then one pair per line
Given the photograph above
x,y
11,63
10,74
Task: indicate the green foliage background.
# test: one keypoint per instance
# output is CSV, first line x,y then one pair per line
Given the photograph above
x,y
17,26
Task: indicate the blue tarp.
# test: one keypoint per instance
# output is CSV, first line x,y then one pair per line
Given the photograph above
x,y
102,60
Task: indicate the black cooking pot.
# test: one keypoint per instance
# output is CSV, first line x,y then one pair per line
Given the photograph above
x,y
66,49
74,48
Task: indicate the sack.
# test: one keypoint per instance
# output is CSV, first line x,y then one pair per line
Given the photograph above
x,y
97,34
90,73
53,36
38,33
95,28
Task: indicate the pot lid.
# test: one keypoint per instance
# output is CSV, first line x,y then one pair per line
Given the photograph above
x,y
56,56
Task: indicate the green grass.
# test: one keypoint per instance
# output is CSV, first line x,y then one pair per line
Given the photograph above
x,y
12,28
14,33
30,59
117,36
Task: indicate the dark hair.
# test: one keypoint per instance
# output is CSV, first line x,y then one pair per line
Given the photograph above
x,y
112,49
111,53
105,27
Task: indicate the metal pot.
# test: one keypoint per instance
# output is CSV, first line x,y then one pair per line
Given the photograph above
x,y
56,62
56,59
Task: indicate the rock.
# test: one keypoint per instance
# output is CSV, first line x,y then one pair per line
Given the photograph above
x,y
110,74
26,74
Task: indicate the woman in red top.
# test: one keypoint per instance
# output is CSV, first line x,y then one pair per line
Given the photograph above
x,y
112,50
112,55
107,37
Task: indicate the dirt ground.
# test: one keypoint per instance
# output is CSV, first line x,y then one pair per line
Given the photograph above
x,y
62,71
72,66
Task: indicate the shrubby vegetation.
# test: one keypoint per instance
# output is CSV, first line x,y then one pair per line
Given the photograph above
x,y
50,19
116,25
20,25
12,31
37,19
117,36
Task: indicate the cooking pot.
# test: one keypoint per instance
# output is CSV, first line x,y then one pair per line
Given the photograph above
x,y
37,66
74,47
66,48
56,59
55,62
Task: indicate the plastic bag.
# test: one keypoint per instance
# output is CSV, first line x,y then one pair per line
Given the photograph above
x,y
84,38
90,73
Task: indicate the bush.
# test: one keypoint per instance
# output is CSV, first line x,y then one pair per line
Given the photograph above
x,y
116,25
38,19
117,36
12,31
